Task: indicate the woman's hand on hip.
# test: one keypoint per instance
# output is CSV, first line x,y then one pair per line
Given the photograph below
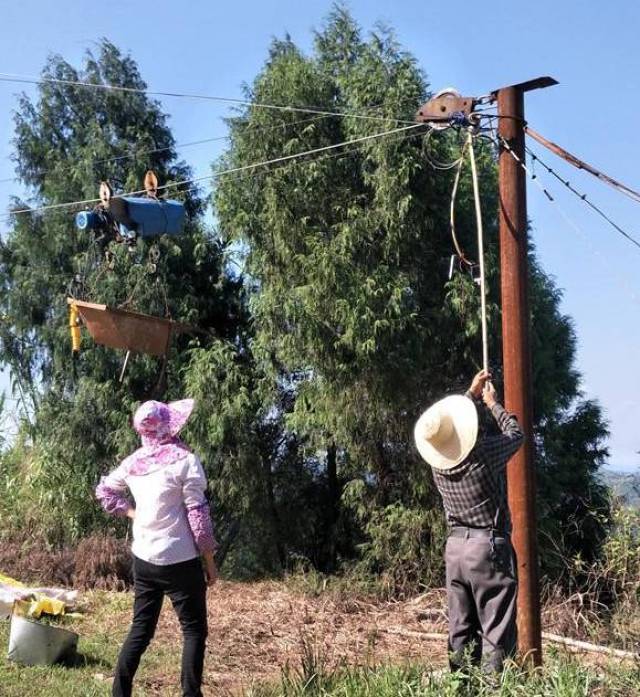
x,y
210,569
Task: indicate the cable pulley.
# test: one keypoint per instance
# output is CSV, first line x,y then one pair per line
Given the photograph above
x,y
446,108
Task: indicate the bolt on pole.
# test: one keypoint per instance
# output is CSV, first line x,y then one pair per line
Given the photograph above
x,y
514,269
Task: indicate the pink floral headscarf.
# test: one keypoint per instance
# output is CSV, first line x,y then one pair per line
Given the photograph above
x,y
158,425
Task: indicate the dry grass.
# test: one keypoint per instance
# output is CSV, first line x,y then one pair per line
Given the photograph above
x,y
257,629
96,562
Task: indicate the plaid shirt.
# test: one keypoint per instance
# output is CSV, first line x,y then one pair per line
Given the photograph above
x,y
474,493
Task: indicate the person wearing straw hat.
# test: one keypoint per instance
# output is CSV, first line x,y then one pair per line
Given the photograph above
x,y
468,454
171,529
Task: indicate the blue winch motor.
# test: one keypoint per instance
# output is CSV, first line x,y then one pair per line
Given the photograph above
x,y
88,220
145,217
154,217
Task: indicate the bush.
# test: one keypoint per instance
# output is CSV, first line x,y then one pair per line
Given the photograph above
x,y
98,561
47,499
403,547
600,600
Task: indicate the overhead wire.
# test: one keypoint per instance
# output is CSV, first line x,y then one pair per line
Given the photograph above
x,y
293,159
402,135
131,155
568,220
293,163
581,164
177,146
216,175
583,197
28,79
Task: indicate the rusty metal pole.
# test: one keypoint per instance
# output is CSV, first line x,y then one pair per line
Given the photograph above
x,y
517,359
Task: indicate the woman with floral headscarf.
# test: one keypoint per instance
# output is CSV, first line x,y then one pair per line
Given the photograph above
x,y
171,529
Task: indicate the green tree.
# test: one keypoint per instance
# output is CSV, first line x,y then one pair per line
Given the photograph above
x,y
349,252
67,141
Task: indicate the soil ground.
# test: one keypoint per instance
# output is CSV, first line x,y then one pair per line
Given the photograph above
x,y
257,629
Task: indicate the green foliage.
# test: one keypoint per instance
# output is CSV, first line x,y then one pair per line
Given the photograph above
x,y
616,575
49,484
65,144
312,367
600,600
351,302
402,547
570,435
621,550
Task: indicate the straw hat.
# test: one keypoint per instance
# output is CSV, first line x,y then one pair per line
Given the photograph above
x,y
446,433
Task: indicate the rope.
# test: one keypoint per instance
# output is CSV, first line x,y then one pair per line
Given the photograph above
x,y
443,166
217,175
483,293
452,210
10,77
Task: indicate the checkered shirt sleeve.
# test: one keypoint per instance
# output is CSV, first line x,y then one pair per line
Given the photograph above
x,y
496,450
474,493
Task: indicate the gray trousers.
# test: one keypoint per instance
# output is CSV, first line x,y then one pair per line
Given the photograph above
x,y
481,593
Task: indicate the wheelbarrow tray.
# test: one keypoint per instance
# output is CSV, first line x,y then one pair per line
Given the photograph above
x,y
131,331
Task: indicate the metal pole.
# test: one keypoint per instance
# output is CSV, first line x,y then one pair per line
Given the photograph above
x,y
517,360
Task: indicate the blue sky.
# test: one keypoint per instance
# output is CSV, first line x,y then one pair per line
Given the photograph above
x,y
591,48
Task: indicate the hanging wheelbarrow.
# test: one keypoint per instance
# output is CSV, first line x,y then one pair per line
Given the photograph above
x,y
131,331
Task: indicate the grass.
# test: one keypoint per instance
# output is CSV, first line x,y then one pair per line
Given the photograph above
x,y
101,629
562,676
310,673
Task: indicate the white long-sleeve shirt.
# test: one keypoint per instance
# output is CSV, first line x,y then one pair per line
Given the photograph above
x,y
172,522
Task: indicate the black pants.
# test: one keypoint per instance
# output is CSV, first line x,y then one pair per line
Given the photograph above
x,y
481,593
184,583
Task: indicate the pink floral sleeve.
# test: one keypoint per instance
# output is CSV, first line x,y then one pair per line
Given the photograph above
x,y
202,528
111,492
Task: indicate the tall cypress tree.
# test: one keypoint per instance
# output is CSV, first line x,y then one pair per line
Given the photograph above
x,y
350,252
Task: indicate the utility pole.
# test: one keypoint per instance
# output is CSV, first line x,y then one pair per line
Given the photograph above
x,y
514,269
441,111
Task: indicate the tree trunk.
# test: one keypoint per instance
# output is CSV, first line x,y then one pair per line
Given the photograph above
x,y
274,518
227,543
385,474
333,508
